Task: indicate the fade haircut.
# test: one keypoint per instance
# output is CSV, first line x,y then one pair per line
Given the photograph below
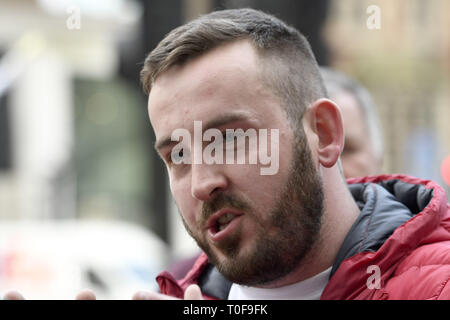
x,y
289,67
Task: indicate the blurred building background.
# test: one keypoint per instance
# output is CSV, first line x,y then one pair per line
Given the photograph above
x,y
76,146
406,66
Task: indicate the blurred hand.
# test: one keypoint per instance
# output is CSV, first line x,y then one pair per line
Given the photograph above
x,y
192,292
13,295
85,294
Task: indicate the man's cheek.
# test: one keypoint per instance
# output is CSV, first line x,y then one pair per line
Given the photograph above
x,y
180,192
186,209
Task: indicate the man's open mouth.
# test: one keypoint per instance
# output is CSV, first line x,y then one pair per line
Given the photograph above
x,y
222,223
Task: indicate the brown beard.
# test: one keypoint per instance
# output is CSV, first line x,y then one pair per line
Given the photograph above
x,y
294,224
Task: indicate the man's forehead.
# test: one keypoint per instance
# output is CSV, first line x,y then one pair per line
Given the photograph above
x,y
189,88
234,59
236,55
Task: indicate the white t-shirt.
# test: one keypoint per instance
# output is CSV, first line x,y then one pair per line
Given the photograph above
x,y
309,289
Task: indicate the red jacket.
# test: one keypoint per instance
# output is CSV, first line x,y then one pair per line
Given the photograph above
x,y
398,248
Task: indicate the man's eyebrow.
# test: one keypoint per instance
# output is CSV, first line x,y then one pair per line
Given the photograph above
x,y
225,119
214,123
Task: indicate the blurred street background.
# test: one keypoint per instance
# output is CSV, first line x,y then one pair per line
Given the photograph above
x,y
84,200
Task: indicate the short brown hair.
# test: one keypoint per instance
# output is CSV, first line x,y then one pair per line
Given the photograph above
x,y
290,68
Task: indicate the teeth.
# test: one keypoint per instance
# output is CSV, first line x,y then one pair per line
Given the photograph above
x,y
224,220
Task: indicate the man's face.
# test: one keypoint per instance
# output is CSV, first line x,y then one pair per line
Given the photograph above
x,y
358,157
255,228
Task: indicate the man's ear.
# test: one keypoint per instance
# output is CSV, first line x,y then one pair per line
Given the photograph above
x,y
325,120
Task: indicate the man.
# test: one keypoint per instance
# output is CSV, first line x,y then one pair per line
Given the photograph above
x,y
302,232
363,147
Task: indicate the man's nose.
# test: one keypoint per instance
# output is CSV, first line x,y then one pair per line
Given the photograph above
x,y
207,180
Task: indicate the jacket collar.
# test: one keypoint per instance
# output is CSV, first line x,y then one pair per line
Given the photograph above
x,y
397,196
384,207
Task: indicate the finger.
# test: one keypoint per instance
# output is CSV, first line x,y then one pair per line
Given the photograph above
x,y
86,294
13,295
148,295
193,292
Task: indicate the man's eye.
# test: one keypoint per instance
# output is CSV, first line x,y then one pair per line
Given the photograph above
x,y
177,156
229,137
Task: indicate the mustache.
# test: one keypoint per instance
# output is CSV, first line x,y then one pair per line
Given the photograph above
x,y
219,202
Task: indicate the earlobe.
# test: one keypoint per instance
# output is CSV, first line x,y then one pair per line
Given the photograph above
x,y
329,128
